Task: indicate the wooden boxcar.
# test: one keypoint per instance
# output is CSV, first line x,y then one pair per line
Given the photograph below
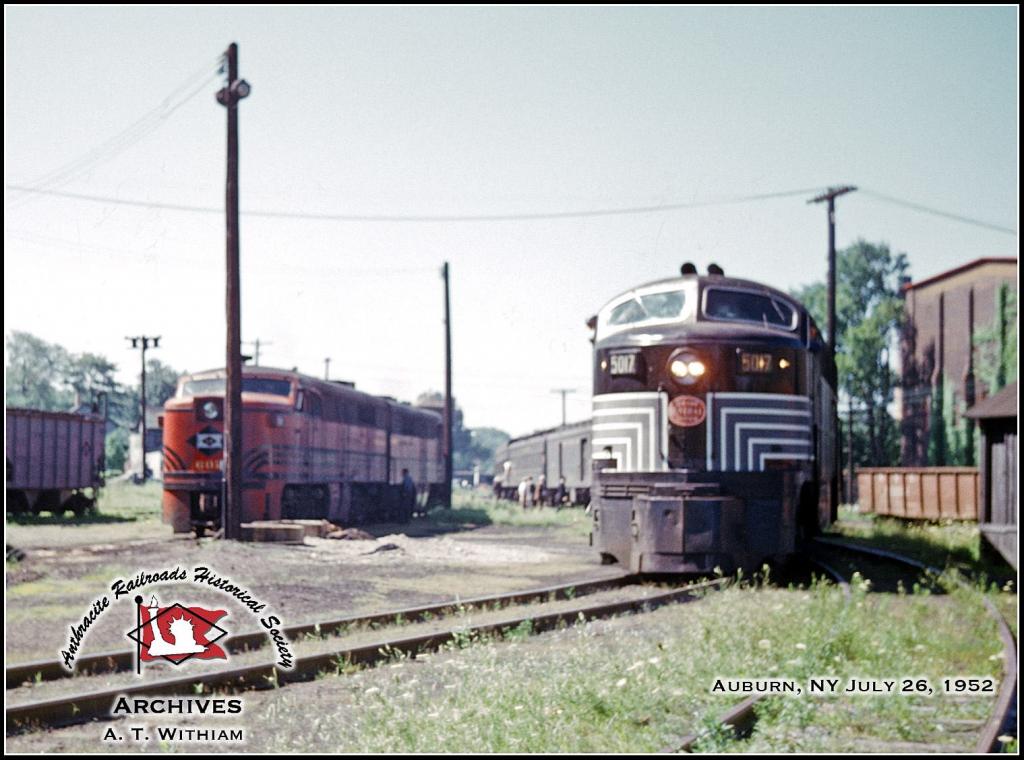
x,y
55,460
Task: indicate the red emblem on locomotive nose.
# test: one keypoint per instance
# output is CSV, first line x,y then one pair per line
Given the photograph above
x,y
686,411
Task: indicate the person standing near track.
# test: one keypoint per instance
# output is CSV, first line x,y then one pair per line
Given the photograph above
x,y
408,494
539,492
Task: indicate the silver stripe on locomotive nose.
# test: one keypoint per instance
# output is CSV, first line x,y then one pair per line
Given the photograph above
x,y
749,429
632,426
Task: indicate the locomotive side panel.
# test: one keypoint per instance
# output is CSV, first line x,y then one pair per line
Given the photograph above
x,y
310,449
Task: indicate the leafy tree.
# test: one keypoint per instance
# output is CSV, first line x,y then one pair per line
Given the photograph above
x,y
116,447
34,373
47,376
869,311
470,447
484,442
161,382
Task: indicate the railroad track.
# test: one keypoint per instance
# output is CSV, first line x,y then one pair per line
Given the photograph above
x,y
1003,712
79,708
124,660
741,718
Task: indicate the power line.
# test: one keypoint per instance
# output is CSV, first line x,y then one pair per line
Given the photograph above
x,y
123,140
579,214
937,212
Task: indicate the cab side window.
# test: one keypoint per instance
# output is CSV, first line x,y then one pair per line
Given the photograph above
x,y
314,406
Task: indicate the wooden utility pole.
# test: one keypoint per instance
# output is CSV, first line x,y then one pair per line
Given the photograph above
x,y
256,348
849,452
830,195
231,508
142,342
449,416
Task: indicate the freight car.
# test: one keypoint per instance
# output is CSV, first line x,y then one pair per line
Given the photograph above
x,y
55,460
713,427
310,449
562,452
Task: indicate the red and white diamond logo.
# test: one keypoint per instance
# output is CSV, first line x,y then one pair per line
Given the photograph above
x,y
176,633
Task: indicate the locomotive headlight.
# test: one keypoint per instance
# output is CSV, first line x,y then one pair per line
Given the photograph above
x,y
210,410
687,369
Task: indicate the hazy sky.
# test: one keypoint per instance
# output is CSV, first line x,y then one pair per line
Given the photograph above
x,y
420,111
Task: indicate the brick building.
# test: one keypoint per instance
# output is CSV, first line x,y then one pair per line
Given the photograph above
x,y
940,377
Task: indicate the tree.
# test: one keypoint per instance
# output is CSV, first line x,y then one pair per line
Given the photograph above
x,y
484,442
116,447
161,382
869,312
470,447
34,374
47,376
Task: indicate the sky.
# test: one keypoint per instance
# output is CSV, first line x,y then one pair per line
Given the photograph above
x,y
494,111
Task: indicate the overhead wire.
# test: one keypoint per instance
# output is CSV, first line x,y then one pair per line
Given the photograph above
x,y
194,84
509,217
420,218
934,211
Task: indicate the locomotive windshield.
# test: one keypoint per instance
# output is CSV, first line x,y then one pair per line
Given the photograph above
x,y
645,307
746,306
215,387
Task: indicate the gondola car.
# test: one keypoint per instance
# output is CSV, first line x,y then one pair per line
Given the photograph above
x,y
311,449
713,425
55,460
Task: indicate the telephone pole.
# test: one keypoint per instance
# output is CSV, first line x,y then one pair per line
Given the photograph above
x,y
564,392
448,411
231,508
142,342
830,195
256,349
849,452
327,368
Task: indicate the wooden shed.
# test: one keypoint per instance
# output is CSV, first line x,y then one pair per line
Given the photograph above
x,y
997,417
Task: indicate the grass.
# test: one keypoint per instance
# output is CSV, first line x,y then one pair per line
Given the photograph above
x,y
120,501
135,502
637,684
947,544
472,509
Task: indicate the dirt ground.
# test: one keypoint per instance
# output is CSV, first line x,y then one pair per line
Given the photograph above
x,y
66,567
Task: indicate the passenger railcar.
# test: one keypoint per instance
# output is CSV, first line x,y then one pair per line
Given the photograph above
x,y
713,427
562,452
311,449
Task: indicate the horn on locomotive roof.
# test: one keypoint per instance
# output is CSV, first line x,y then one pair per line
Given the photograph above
x,y
688,268
715,270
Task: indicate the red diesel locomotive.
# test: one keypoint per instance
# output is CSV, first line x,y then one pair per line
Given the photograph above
x,y
310,449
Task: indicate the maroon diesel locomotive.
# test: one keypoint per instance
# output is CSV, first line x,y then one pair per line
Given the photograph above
x,y
310,449
713,425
